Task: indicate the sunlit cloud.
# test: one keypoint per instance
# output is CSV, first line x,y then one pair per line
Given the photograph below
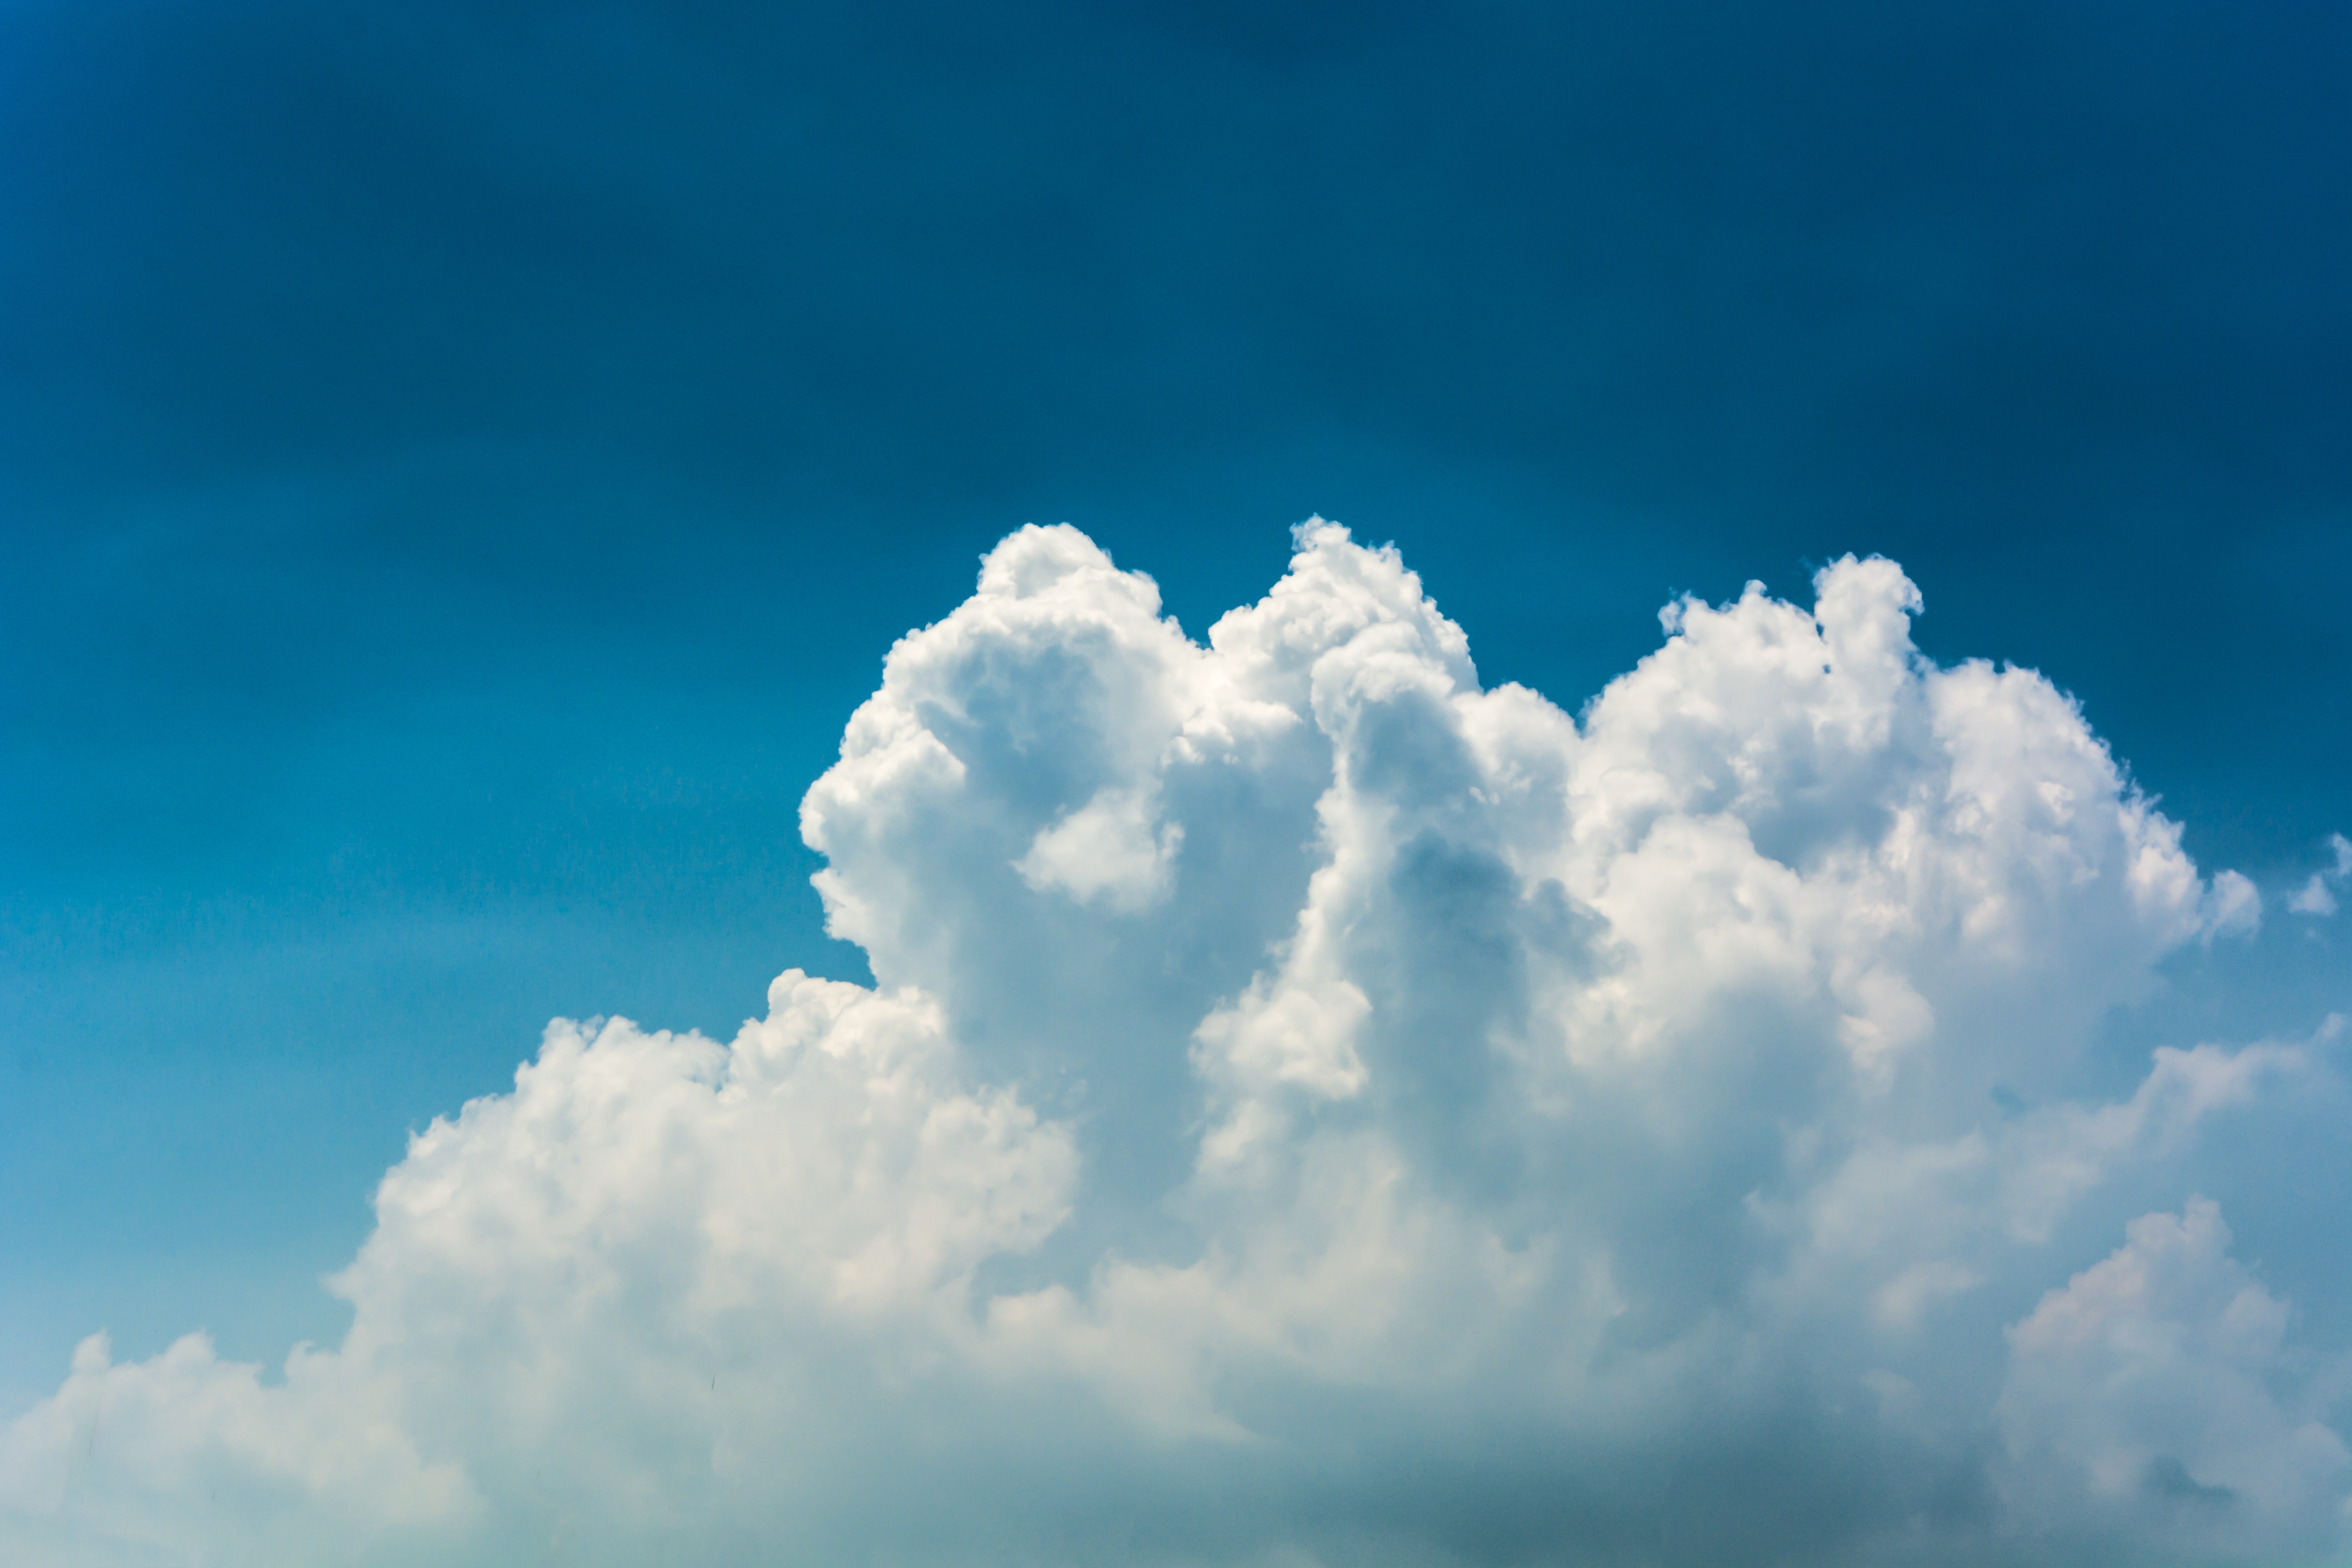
x,y
1315,1108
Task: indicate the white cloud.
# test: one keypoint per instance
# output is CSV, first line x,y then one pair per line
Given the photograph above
x,y
1110,848
2315,897
2159,1383
2233,907
1314,1105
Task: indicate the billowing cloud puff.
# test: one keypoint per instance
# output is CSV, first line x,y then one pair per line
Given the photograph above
x,y
2151,1387
1317,1108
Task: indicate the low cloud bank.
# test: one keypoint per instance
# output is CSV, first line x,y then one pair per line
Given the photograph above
x,y
1315,1108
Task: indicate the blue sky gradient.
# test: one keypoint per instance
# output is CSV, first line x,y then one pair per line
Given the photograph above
x,y
460,467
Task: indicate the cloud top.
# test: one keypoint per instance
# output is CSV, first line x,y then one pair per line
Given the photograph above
x,y
1317,1108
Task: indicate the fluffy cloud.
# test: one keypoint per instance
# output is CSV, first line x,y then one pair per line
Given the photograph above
x,y
1316,1108
2158,1383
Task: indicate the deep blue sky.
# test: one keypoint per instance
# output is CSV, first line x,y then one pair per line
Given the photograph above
x,y
460,465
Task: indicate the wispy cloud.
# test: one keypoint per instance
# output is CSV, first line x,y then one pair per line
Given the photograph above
x,y
2317,897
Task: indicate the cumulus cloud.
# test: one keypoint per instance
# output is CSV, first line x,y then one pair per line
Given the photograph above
x,y
2159,1385
1317,1108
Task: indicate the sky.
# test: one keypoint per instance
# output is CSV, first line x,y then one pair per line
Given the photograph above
x,y
462,469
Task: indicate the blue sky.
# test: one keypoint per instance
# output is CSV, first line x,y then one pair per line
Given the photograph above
x,y
461,467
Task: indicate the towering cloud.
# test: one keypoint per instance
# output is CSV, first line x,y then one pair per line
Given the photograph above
x,y
1317,1108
